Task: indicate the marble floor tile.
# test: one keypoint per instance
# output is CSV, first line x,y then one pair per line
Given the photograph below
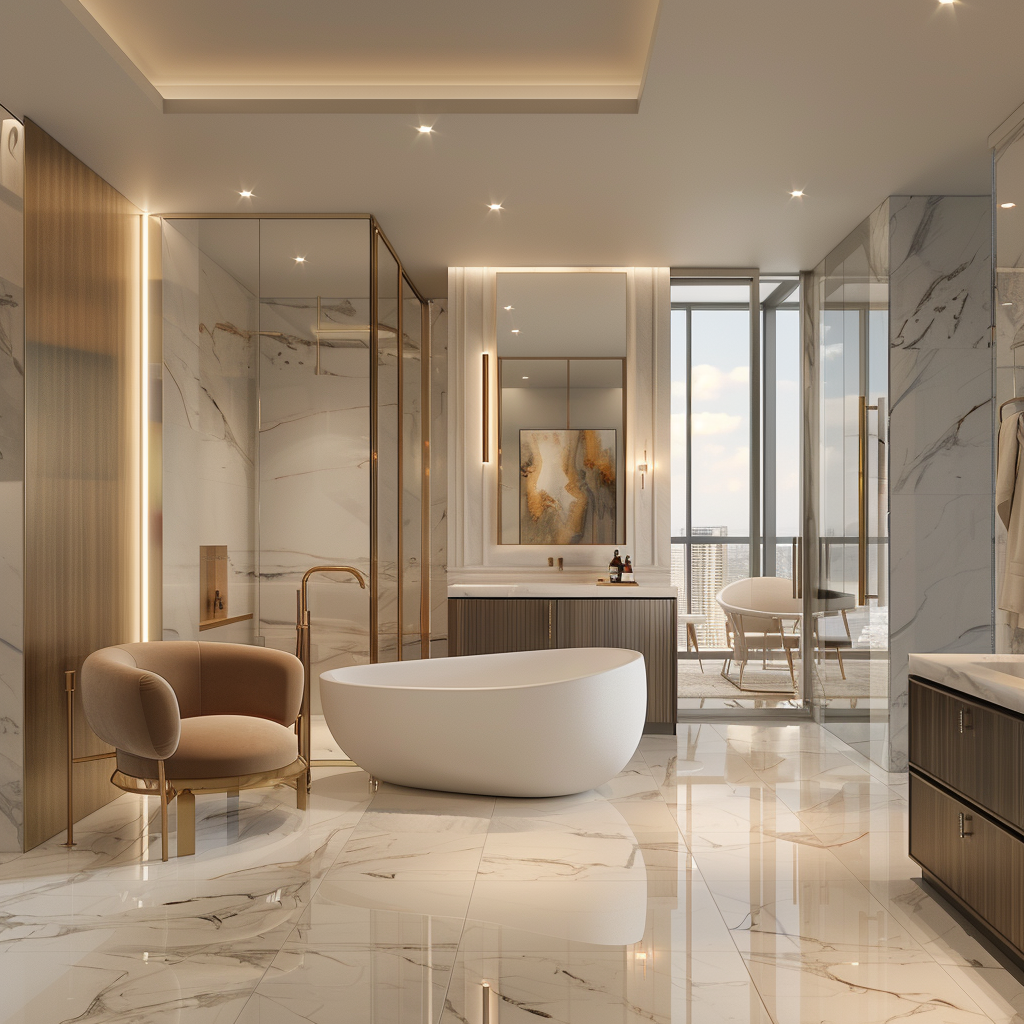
x,y
856,992
734,872
342,986
604,988
831,919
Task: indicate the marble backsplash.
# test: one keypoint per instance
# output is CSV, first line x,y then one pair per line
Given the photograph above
x,y
209,431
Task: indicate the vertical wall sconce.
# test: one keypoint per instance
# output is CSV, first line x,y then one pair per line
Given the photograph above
x,y
486,1014
643,469
486,409
144,432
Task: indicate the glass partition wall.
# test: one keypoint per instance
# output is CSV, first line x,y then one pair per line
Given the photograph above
x,y
735,390
295,349
847,395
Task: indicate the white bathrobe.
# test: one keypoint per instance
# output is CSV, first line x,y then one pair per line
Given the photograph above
x,y
1010,509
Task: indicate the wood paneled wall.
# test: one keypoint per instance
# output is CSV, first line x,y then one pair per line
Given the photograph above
x,y
82,569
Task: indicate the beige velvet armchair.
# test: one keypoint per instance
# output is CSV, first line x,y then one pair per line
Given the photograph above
x,y
188,717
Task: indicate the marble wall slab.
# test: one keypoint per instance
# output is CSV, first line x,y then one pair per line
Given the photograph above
x,y
12,519
314,483
209,434
438,478
940,437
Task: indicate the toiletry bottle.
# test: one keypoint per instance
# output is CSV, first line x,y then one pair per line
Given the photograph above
x,y
627,572
615,568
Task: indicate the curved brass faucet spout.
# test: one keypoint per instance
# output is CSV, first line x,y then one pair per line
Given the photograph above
x,y
303,606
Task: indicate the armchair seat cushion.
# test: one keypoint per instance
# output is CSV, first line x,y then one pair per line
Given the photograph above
x,y
220,746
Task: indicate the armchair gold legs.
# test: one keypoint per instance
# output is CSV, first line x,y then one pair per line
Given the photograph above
x,y
163,811
186,823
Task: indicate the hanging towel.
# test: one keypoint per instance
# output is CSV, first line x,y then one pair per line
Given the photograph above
x,y
1010,509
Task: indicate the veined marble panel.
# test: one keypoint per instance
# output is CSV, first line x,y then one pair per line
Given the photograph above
x,y
439,478
940,438
12,526
209,431
314,472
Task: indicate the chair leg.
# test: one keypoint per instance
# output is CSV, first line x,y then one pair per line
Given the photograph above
x,y
789,658
839,655
691,635
301,796
186,823
846,623
163,810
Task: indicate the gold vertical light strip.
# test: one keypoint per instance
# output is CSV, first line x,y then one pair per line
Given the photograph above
x,y
486,409
400,468
426,377
374,440
144,430
154,384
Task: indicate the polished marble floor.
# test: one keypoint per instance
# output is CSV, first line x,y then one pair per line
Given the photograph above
x,y
735,873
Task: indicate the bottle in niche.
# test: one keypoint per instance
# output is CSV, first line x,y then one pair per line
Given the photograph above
x,y
627,572
615,568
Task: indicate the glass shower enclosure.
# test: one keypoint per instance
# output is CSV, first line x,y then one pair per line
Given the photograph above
x,y
296,434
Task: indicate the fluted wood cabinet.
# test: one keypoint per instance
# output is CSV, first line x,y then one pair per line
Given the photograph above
x,y
967,807
497,625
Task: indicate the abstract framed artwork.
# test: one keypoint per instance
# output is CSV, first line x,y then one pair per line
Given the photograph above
x,y
567,487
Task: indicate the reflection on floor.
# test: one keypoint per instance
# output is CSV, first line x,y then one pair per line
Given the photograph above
x,y
866,684
733,873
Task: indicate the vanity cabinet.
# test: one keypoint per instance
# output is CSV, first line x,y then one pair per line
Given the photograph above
x,y
485,625
967,807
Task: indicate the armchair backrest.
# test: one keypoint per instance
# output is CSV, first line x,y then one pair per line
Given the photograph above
x,y
135,695
129,707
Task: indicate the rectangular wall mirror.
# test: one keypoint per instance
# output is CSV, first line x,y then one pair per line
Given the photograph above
x,y
561,339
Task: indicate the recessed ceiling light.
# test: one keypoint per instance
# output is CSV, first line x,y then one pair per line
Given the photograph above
x,y
797,193
494,206
246,193
947,2
1007,206
1007,303
300,259
526,378
515,330
425,129
508,307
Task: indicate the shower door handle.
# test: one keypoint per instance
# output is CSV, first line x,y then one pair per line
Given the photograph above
x,y
862,501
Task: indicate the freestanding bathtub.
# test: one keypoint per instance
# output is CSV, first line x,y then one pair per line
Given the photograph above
x,y
530,723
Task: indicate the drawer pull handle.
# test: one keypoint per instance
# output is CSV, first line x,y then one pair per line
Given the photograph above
x,y
964,819
965,721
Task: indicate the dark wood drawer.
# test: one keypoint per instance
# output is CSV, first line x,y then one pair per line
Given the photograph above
x,y
969,747
977,859
490,626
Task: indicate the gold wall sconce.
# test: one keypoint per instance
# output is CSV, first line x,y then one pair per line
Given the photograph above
x,y
486,408
643,469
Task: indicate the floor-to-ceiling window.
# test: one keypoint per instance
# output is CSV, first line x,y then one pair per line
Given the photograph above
x,y
735,464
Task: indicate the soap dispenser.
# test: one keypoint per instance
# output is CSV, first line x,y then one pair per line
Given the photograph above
x,y
615,568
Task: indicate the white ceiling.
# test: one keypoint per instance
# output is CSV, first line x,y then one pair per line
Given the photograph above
x,y
743,101
561,314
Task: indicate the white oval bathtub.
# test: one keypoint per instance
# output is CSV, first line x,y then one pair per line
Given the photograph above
x,y
531,723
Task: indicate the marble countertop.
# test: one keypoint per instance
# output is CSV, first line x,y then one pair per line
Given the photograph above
x,y
996,678
589,590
